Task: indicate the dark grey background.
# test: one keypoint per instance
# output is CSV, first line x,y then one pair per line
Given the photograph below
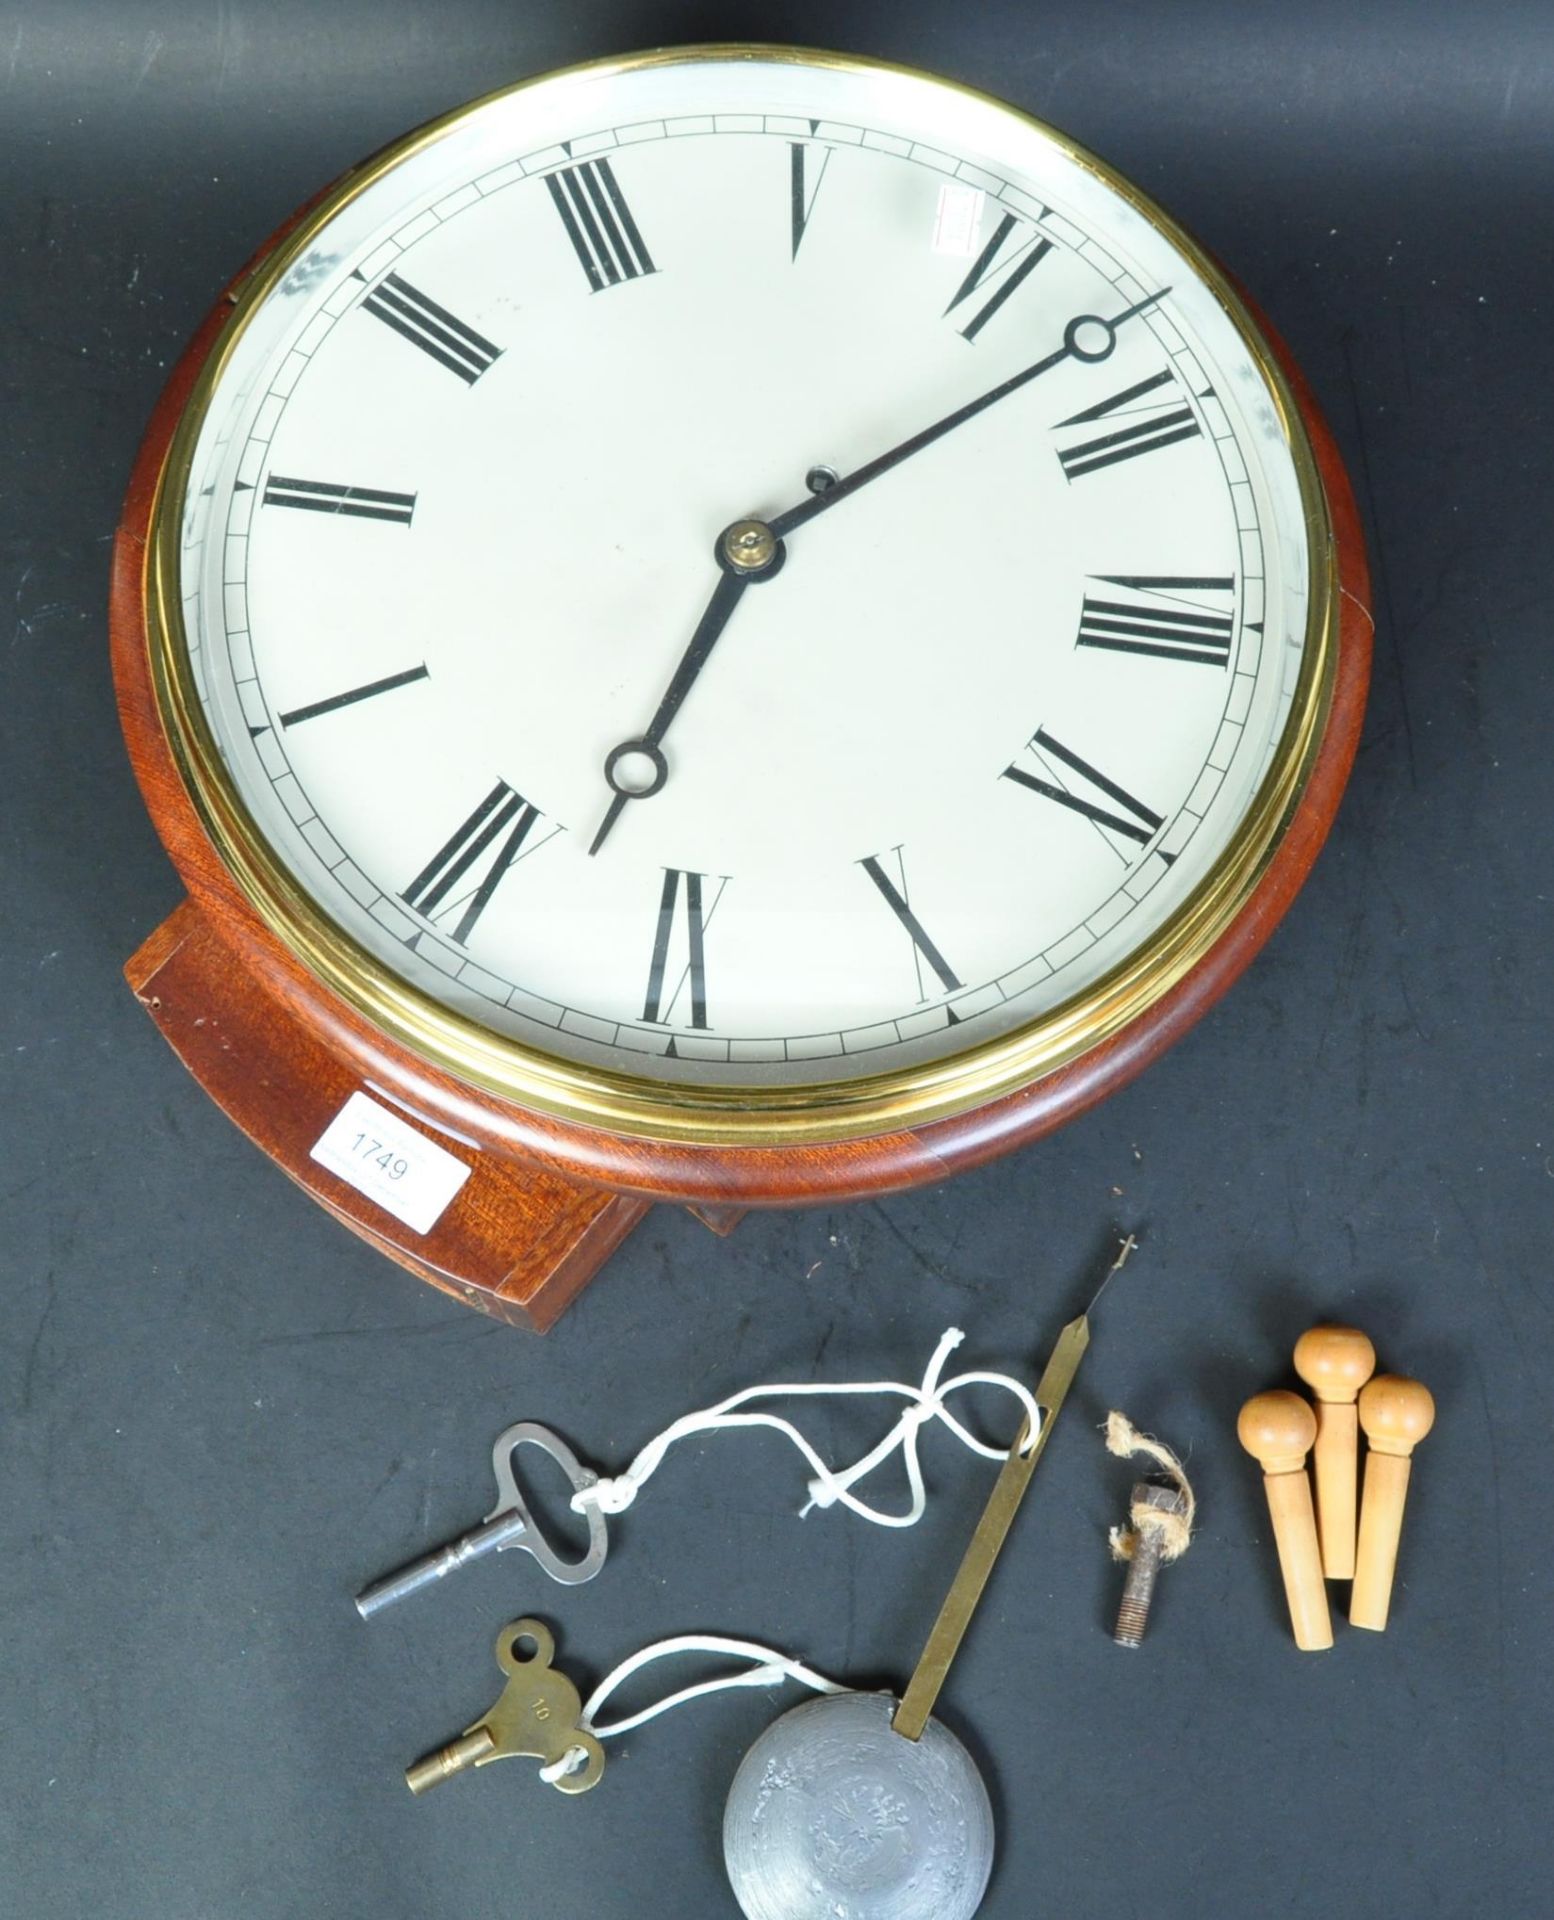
x,y
218,1412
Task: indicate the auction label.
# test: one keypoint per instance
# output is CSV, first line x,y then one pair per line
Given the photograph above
x,y
385,1158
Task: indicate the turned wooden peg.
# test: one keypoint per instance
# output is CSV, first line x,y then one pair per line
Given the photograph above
x,y
1277,1429
1396,1415
1335,1362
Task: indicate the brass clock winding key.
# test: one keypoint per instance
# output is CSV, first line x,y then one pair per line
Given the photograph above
x,y
536,1717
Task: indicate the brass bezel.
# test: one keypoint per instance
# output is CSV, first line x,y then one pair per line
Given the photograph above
x,y
729,1116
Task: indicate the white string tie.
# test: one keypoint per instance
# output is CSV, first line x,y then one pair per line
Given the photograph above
x,y
770,1669
828,1487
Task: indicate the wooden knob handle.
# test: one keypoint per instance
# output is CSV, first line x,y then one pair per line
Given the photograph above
x,y
1278,1429
1335,1362
1396,1415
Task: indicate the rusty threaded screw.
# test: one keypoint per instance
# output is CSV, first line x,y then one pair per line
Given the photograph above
x,y
1143,1568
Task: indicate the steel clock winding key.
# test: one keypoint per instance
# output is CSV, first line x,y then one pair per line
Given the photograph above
x,y
730,626
509,1524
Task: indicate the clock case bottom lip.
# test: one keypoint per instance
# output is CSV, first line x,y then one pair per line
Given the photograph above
x,y
719,1179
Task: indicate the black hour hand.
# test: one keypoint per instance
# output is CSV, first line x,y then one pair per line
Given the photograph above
x,y
636,769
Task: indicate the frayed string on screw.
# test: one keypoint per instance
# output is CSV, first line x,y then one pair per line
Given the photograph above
x,y
1174,1529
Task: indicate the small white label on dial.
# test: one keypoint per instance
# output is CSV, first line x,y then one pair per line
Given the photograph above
x,y
958,220
385,1158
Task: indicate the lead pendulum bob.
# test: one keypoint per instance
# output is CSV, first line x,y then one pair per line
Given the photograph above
x,y
835,1816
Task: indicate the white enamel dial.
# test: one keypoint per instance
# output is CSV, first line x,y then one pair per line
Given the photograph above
x,y
988,719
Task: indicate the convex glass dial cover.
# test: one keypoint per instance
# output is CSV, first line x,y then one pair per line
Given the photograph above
x,y
746,578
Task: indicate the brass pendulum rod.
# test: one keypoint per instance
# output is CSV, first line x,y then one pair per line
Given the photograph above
x,y
943,1642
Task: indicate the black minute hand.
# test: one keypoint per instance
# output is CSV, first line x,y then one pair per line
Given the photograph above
x,y
752,550
1088,338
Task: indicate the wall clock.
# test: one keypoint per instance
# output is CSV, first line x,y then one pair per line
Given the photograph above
x,y
733,626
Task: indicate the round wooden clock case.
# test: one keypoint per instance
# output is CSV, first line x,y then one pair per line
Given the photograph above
x,y
551,1193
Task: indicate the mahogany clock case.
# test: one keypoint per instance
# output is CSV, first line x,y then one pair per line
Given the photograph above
x,y
277,1049
219,1414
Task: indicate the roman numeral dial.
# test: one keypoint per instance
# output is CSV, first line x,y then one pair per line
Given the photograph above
x,y
442,336
677,972
327,496
1162,616
479,852
603,231
893,891
785,566
806,170
1012,254
1063,777
1156,415
352,695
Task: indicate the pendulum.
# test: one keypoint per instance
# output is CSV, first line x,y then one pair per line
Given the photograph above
x,y
833,1812
857,1807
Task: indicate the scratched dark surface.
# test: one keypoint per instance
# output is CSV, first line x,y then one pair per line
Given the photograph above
x,y
219,1413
